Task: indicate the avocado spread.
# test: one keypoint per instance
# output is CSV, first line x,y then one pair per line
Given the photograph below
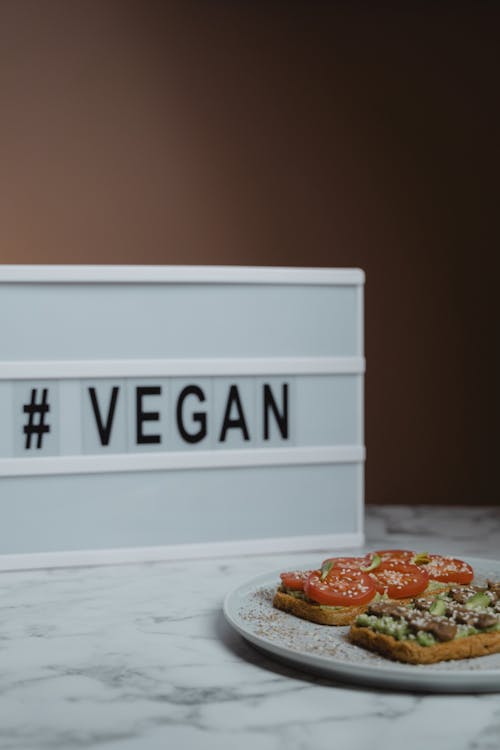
x,y
430,620
300,595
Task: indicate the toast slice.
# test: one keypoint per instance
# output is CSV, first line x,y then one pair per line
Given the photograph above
x,y
462,623
319,613
411,652
295,602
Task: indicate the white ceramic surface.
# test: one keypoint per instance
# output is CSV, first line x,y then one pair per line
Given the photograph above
x,y
318,648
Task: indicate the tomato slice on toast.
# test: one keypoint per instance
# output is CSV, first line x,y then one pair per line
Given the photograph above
x,y
341,588
350,563
399,579
295,579
395,554
448,569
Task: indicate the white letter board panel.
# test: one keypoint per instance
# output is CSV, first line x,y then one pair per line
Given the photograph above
x,y
156,412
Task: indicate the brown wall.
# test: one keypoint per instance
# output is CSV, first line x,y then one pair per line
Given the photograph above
x,y
284,134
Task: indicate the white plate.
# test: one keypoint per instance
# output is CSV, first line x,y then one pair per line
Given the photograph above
x,y
323,649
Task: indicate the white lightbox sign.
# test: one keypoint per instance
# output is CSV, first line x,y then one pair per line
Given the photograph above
x,y
158,412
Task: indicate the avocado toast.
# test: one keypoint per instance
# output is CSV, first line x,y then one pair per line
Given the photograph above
x,y
296,603
343,587
460,623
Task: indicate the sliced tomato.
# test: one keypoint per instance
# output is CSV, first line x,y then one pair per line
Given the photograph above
x,y
341,588
350,563
448,569
399,579
295,579
395,554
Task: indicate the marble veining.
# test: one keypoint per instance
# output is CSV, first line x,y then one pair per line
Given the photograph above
x,y
139,657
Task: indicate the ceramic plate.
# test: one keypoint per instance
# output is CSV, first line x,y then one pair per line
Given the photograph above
x,y
326,650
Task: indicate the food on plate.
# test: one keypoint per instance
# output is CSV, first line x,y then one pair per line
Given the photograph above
x,y
331,595
366,563
294,581
328,596
448,569
399,579
341,589
391,554
460,623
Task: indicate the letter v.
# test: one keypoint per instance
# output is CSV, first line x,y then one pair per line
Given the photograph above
x,y
104,429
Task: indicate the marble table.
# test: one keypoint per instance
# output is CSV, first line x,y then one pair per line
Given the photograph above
x,y
139,657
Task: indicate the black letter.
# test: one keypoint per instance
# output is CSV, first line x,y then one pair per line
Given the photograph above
x,y
281,419
199,416
146,416
234,397
104,429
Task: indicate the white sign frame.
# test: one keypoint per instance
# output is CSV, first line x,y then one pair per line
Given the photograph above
x,y
159,367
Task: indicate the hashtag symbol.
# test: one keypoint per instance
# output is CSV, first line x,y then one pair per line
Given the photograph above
x,y
36,426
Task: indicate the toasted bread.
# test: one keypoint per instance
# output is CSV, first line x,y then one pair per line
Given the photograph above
x,y
319,613
480,644
316,612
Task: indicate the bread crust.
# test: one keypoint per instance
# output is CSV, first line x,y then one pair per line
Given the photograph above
x,y
480,644
315,612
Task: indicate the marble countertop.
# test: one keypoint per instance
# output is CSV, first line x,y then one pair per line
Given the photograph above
x,y
138,657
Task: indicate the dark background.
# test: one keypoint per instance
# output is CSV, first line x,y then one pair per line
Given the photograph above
x,y
284,134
